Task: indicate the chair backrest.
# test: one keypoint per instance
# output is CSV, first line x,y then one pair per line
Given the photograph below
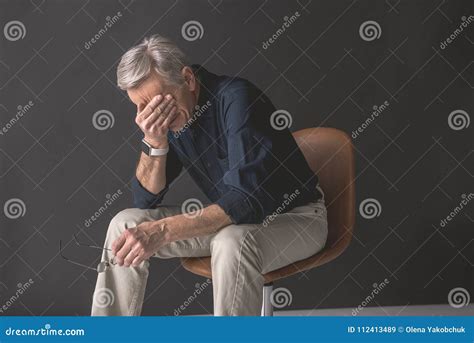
x,y
329,153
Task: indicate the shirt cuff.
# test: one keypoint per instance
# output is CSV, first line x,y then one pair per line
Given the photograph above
x,y
144,199
239,208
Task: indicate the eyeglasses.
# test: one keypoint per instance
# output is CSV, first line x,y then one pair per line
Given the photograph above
x,y
101,267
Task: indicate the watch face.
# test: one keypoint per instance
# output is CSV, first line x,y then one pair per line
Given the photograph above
x,y
145,148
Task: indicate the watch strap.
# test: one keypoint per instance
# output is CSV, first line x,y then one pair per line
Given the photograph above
x,y
150,151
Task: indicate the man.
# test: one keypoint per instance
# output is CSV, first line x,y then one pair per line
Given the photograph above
x,y
267,210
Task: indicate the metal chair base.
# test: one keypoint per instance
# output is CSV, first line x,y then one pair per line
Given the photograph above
x,y
267,307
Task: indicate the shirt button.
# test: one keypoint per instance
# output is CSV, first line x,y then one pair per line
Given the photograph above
x,y
208,165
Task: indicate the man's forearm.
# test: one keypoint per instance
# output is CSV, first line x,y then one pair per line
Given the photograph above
x,y
151,172
153,120
212,219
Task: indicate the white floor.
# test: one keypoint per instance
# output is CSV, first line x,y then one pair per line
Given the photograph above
x,y
417,310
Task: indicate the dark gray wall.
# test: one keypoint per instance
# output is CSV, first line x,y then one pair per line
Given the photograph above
x,y
409,159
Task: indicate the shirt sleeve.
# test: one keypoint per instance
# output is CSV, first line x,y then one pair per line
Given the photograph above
x,y
144,199
248,130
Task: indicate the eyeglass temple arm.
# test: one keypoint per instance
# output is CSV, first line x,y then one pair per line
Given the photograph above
x,y
71,261
87,245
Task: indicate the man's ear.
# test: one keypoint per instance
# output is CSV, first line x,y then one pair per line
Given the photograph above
x,y
189,78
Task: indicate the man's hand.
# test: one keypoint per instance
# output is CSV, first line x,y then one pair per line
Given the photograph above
x,y
139,243
154,119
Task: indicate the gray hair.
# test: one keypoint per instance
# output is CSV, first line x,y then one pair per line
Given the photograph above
x,y
154,53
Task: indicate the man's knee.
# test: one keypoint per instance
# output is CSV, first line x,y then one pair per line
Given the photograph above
x,y
124,219
128,218
131,217
235,240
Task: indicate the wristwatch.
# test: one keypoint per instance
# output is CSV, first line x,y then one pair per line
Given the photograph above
x,y
150,151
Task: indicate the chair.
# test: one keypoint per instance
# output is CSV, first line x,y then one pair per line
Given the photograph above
x,y
329,153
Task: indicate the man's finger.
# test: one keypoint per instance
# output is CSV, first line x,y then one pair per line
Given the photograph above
x,y
150,107
137,260
166,121
161,108
131,255
123,252
118,243
165,115
158,113
169,105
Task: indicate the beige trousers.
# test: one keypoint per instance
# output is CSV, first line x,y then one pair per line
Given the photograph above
x,y
240,254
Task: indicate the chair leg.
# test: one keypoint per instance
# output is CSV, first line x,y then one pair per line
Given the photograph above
x,y
267,307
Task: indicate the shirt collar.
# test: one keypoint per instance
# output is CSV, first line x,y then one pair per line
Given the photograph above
x,y
206,85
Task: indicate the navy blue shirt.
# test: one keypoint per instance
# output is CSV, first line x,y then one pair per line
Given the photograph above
x,y
234,154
